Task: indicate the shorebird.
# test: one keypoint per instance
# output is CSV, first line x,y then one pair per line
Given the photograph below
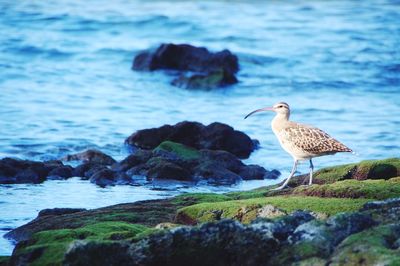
x,y
302,142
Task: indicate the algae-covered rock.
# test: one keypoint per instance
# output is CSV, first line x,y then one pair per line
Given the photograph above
x,y
215,136
49,247
376,246
373,189
317,239
201,68
250,209
369,169
171,160
223,243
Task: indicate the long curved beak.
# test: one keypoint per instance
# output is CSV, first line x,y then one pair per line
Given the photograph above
x,y
259,110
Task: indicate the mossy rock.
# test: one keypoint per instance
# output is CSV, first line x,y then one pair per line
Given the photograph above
x,y
4,260
372,189
182,151
377,246
195,198
49,247
248,210
370,169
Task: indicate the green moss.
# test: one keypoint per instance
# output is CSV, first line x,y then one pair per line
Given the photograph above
x,y
235,209
4,260
372,247
369,169
184,152
194,198
372,189
50,246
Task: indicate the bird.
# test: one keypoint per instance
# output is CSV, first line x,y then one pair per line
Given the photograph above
x,y
302,142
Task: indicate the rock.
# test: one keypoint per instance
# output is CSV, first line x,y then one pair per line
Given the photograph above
x,y
253,172
222,243
139,157
171,160
15,171
376,246
99,254
211,80
59,211
216,136
82,169
210,69
166,170
91,155
106,177
270,211
319,239
28,176
62,172
215,174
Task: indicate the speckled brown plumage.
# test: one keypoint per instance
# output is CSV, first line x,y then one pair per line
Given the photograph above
x,y
303,142
311,140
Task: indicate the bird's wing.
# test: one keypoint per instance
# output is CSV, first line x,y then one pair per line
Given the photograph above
x,y
313,140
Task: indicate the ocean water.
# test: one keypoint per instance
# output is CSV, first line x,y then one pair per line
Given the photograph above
x,y
66,84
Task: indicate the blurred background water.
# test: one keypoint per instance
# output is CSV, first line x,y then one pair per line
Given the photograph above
x,y
66,83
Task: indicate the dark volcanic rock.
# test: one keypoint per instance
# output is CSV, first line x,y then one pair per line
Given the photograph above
x,y
171,160
139,157
210,69
216,136
107,177
223,243
91,155
167,170
15,171
59,211
62,172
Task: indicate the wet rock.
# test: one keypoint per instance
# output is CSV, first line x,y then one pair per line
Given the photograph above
x,y
15,171
91,155
62,172
376,246
215,173
81,169
59,211
201,68
166,170
223,243
319,239
106,177
171,160
216,136
139,157
92,253
254,172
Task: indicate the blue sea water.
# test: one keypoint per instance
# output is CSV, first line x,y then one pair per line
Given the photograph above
x,y
66,84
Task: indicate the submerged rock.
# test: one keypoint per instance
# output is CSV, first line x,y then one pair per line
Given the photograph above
x,y
216,136
201,68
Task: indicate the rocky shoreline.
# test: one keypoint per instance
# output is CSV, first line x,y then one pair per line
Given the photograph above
x,y
187,151
349,217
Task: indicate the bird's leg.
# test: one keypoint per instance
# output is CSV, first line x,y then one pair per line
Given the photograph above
x,y
290,176
311,172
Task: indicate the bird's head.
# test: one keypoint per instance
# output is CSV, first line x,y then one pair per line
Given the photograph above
x,y
281,108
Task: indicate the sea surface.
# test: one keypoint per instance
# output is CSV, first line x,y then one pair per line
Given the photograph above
x,y
66,84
